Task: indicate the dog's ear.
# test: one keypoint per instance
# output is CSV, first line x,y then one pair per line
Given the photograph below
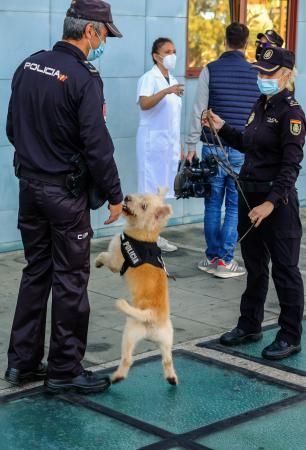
x,y
163,212
162,191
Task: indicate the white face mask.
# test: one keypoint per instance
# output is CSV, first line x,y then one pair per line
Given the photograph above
x,y
169,62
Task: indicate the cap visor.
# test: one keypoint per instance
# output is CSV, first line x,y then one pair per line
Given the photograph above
x,y
264,67
113,30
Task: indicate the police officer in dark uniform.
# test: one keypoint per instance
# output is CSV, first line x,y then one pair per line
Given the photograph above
x,y
56,124
267,39
273,142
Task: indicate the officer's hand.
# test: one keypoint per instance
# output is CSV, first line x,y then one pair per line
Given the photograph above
x,y
191,154
177,89
259,213
214,120
115,211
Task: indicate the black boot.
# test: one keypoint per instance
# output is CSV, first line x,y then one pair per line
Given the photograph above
x,y
238,336
16,376
280,349
85,383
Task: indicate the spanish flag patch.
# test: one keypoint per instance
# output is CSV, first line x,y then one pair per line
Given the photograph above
x,y
295,127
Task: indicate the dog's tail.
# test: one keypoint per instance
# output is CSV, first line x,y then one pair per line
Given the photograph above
x,y
142,315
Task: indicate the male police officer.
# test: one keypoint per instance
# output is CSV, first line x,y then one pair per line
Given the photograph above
x,y
267,39
56,124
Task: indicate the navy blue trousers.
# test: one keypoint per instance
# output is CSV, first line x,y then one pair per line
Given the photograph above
x,y
56,232
278,238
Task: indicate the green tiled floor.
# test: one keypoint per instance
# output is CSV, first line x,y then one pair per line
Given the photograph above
x,y
281,430
145,411
206,393
46,423
254,349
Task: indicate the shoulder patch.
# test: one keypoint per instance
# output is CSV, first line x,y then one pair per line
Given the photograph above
x,y
291,101
295,127
90,67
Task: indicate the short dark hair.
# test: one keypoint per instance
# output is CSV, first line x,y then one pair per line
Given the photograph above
x,y
157,44
236,35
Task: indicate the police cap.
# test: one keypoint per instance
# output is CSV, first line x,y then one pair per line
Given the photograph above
x,y
95,10
272,37
273,58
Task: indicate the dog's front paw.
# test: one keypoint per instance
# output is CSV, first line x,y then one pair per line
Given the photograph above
x,y
99,263
100,260
122,304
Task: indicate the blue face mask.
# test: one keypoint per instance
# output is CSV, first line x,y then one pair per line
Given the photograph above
x,y
268,86
97,52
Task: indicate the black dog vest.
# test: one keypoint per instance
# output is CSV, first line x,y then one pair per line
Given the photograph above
x,y
136,253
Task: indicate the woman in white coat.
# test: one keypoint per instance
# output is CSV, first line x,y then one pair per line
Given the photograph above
x,y
158,138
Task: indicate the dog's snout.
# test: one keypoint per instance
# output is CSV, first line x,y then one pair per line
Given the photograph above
x,y
127,198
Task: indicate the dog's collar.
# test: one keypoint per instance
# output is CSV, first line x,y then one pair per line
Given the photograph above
x,y
136,253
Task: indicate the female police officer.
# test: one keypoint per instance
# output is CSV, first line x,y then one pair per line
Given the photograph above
x,y
273,143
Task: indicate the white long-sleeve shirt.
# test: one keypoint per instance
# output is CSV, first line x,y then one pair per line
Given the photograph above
x,y
200,103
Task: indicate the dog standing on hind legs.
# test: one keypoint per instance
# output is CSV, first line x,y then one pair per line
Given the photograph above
x,y
136,255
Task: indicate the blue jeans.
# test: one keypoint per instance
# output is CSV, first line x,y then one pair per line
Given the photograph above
x,y
221,238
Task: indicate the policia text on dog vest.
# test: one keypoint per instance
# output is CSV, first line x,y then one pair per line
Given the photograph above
x,y
136,253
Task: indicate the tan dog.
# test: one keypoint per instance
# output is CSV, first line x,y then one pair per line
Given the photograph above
x,y
148,316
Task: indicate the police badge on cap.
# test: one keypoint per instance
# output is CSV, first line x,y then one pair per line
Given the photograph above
x,y
95,10
273,58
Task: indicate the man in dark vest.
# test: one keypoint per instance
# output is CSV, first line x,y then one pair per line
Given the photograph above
x,y
229,87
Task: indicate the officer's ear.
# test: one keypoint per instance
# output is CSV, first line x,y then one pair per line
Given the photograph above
x,y
88,30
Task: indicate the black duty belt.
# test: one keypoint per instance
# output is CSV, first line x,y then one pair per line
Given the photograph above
x,y
256,186
59,180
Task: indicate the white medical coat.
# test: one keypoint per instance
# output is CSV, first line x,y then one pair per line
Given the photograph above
x,y
158,144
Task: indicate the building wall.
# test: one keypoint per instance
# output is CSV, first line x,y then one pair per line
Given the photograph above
x,y
29,26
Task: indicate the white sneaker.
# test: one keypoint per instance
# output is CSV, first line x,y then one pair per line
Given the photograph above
x,y
232,269
165,245
208,265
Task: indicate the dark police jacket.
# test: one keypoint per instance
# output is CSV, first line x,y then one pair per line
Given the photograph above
x,y
273,142
56,111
